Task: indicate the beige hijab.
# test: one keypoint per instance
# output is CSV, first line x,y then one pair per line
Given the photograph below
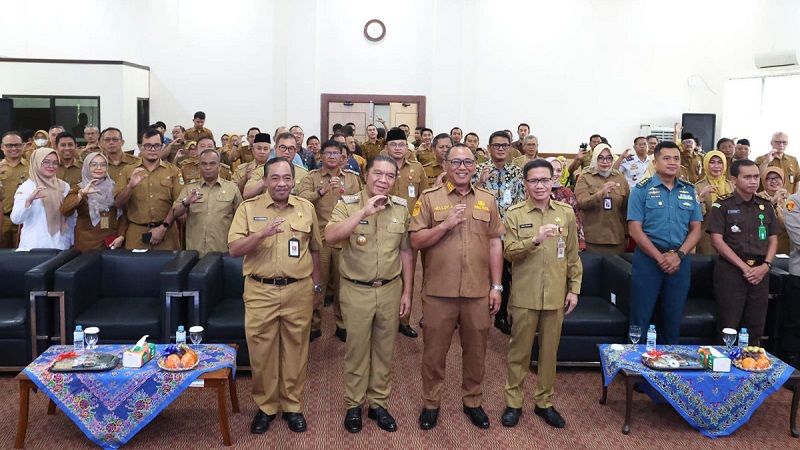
x,y
53,194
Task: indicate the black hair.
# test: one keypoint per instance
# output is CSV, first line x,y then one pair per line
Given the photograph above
x,y
502,134
209,150
654,137
724,140
26,134
12,133
200,115
523,124
379,158
65,135
204,138
454,129
537,163
735,166
423,129
310,138
459,145
151,132
276,160
595,136
471,134
743,141
435,140
347,130
685,136
382,133
336,128
639,137
664,144
331,143
282,136
253,128
402,125
114,129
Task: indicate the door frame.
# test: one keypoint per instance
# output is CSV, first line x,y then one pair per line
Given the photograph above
x,y
327,99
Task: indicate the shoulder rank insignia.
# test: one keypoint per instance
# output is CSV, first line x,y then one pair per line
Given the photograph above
x,y
642,183
398,200
350,198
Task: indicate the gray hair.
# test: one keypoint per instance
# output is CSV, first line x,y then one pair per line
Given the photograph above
x,y
778,133
528,138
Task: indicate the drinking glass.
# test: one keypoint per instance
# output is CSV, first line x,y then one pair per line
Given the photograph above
x,y
92,335
635,333
729,337
196,335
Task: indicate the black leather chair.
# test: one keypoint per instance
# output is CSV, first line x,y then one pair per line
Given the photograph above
x,y
699,323
596,320
218,278
24,273
124,293
778,278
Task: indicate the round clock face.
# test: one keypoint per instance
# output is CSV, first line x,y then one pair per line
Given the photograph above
x,y
374,30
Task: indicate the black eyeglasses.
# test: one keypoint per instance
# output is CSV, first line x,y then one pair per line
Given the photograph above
x,y
468,163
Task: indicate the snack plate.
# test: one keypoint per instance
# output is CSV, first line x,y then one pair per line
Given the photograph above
x,y
738,365
88,362
182,369
673,361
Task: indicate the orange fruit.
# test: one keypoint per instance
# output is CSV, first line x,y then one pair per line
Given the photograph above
x,y
762,363
188,359
172,362
748,363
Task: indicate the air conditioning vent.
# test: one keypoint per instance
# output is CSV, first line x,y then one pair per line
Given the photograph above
x,y
770,60
662,133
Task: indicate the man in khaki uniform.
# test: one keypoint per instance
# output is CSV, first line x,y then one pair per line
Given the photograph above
x,y
530,151
460,227
373,146
112,143
777,157
13,172
278,235
146,191
424,152
190,167
584,157
541,242
373,229
691,159
209,204
324,187
69,167
92,135
411,182
285,147
434,170
260,151
169,152
198,130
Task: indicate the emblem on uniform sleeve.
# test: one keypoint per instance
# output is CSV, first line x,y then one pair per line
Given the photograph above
x,y
790,205
417,208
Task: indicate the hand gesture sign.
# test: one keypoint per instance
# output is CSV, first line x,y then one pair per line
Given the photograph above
x,y
274,227
374,204
137,176
455,217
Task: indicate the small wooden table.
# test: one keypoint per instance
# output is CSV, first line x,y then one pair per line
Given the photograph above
x,y
217,379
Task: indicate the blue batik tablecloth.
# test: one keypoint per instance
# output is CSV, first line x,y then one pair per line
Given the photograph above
x,y
111,407
715,403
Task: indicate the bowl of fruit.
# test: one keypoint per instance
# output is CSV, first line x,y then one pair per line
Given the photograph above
x,y
177,358
751,359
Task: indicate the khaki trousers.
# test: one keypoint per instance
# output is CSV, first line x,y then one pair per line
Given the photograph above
x,y
371,316
10,232
614,249
523,331
329,278
276,324
441,316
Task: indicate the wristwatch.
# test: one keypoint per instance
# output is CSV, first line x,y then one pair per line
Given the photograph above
x,y
769,264
317,289
183,203
166,224
497,287
681,255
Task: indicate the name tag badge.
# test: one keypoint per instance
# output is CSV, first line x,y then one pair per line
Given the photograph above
x,y
562,247
294,248
412,192
685,197
526,225
364,222
104,222
259,219
607,203
507,197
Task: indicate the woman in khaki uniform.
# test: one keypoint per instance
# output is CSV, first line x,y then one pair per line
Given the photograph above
x,y
709,188
773,181
100,224
603,202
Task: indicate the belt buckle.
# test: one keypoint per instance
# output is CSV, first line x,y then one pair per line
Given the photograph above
x,y
750,262
280,281
378,283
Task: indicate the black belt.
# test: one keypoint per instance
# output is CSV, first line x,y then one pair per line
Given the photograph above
x,y
149,224
666,250
281,281
373,283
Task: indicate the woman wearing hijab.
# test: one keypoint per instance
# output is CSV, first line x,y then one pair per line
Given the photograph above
x,y
37,205
772,180
602,194
41,139
709,188
564,194
100,224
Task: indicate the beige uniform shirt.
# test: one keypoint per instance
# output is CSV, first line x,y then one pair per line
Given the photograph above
x,y
541,278
11,178
193,135
241,170
272,259
315,180
72,173
601,226
432,171
209,218
299,173
458,264
370,150
152,199
115,169
410,182
386,233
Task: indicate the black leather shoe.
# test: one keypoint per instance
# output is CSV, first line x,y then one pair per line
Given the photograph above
x,y
384,420
261,422
477,416
352,421
314,335
421,322
551,416
428,418
502,325
341,333
510,417
406,330
296,421
328,300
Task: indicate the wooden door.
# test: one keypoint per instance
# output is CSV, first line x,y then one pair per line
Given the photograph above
x,y
358,113
403,113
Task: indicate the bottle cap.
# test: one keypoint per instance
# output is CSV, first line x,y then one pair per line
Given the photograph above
x,y
744,330
180,327
78,328
652,326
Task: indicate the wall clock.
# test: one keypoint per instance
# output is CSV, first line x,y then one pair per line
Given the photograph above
x,y
374,30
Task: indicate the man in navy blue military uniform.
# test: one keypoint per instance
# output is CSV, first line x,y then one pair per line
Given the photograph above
x,y
664,220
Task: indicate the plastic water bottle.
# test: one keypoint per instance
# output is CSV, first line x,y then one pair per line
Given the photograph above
x,y
744,338
651,338
180,336
77,338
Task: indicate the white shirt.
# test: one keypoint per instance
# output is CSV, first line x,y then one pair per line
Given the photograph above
x,y
34,222
635,169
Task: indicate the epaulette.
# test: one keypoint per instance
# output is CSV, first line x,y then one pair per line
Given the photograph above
x,y
225,166
350,198
399,200
313,171
242,166
352,172
763,196
643,182
518,205
483,190
724,197
433,188
193,180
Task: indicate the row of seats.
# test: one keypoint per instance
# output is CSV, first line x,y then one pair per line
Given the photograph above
x,y
129,294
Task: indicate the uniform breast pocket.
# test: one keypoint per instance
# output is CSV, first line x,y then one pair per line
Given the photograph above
x,y
481,221
525,231
440,215
654,203
397,228
164,189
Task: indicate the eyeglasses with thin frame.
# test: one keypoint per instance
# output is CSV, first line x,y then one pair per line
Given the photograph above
x,y
774,180
780,142
94,165
499,146
542,181
13,146
152,146
468,163
331,154
111,139
50,163
398,144
605,158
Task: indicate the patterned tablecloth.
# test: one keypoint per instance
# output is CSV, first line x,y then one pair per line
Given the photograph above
x,y
715,403
111,407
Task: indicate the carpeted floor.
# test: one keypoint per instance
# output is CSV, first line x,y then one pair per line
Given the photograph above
x,y
191,421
